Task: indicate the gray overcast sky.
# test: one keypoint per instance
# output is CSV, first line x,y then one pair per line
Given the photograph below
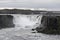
x,y
31,3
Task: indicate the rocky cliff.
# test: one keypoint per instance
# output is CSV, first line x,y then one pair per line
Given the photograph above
x,y
6,21
51,25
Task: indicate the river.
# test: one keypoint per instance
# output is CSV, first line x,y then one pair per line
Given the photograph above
x,y
22,30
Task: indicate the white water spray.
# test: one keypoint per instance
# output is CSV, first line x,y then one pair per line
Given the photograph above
x,y
27,21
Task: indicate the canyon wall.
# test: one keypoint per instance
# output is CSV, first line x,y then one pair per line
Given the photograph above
x,y
6,21
51,25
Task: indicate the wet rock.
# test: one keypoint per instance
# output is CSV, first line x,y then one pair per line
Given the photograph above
x,y
6,21
51,25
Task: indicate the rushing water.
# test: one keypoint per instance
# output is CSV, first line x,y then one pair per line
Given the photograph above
x,y
27,21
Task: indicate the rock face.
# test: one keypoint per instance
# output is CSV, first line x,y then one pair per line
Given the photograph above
x,y
51,25
6,21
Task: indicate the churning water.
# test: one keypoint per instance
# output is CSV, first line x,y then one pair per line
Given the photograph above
x,y
27,21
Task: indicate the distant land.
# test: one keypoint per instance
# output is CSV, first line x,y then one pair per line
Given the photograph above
x,y
28,11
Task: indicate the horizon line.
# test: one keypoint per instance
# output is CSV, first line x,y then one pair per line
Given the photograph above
x,y
47,9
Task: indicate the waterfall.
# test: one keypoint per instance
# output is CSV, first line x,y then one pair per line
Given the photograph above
x,y
27,21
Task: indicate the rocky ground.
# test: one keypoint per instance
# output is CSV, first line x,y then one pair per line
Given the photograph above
x,y
25,34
